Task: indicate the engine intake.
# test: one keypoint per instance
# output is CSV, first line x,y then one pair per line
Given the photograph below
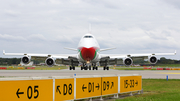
x,y
50,62
153,60
128,61
25,59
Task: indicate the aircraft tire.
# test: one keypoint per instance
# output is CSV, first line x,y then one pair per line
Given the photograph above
x,y
104,68
96,68
70,68
107,68
85,68
89,67
73,68
81,68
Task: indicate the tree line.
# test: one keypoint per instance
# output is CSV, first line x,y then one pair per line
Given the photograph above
x,y
162,60
16,61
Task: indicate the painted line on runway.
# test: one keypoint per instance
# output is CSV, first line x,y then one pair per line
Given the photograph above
x,y
168,73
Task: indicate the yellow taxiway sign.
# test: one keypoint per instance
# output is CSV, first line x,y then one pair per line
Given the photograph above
x,y
64,89
130,83
109,85
88,87
26,90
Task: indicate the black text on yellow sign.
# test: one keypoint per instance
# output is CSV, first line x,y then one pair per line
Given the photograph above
x,y
88,87
26,90
130,83
109,85
64,89
30,92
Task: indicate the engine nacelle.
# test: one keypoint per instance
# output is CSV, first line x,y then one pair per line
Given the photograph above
x,y
153,60
128,61
50,61
25,59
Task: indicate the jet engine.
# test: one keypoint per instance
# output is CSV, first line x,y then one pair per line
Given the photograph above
x,y
25,59
153,60
50,61
128,61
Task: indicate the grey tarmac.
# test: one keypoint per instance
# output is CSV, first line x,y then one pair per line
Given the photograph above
x,y
153,74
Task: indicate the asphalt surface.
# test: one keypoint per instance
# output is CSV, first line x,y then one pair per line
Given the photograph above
x,y
156,74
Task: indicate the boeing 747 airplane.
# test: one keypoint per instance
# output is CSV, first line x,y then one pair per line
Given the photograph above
x,y
88,55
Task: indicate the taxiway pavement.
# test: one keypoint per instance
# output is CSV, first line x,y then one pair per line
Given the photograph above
x,y
156,74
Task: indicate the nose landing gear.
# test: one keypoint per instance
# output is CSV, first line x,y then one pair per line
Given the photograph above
x,y
85,67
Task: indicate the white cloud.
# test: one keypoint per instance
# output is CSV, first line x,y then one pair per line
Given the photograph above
x,y
12,38
55,2
49,25
37,36
175,3
11,12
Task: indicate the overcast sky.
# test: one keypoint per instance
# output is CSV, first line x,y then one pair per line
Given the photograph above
x,y
132,26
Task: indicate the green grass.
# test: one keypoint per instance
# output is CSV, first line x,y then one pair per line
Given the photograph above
x,y
157,90
168,65
37,68
132,68
142,68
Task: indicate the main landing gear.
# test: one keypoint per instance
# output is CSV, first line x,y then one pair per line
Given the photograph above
x,y
105,67
72,67
95,68
89,67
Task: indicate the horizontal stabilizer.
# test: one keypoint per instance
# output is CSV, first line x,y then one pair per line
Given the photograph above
x,y
106,49
175,52
4,52
70,48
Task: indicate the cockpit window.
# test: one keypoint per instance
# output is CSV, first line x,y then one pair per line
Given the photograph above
x,y
88,37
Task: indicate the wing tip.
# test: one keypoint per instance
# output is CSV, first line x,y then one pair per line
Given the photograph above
x,y
4,52
175,52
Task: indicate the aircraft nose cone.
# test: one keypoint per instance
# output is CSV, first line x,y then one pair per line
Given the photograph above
x,y
88,53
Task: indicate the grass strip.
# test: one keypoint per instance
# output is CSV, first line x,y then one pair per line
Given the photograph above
x,y
131,68
37,68
157,90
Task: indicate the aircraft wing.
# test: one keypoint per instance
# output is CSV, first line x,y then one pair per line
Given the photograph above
x,y
135,55
41,55
59,58
128,58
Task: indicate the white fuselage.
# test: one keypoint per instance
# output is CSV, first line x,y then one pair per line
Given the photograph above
x,y
88,49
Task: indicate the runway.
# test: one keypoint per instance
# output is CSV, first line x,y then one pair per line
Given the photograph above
x,y
156,74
